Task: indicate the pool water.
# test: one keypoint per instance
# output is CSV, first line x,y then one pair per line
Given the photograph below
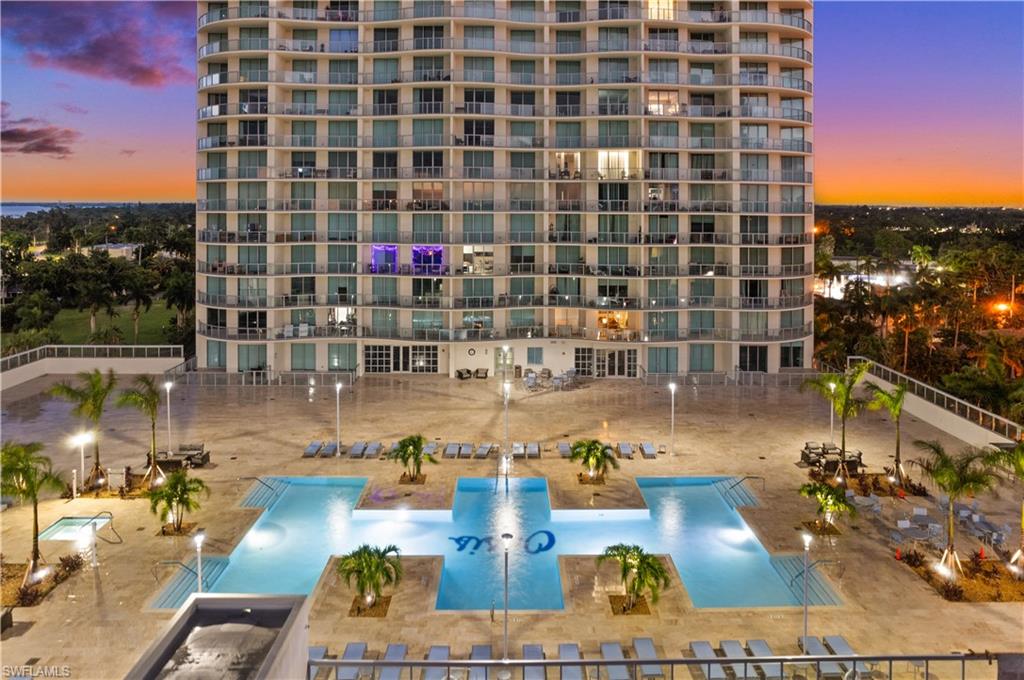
x,y
721,562
72,528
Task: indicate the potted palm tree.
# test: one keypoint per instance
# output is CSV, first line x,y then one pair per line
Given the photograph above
x,y
832,502
891,401
964,474
24,474
642,574
176,497
409,453
89,400
145,397
839,390
1013,461
596,458
371,568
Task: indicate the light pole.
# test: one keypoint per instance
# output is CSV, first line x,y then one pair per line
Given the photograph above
x,y
672,391
167,386
506,389
80,440
337,416
199,538
506,539
807,552
832,415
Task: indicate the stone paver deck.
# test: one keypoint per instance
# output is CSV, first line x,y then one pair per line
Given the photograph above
x,y
98,622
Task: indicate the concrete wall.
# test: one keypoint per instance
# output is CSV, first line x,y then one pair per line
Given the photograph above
x,y
70,366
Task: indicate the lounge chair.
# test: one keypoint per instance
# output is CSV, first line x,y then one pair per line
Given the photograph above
x,y
357,450
430,449
466,451
353,652
570,652
533,450
483,450
826,669
771,671
705,652
316,654
312,449
648,451
393,653
626,450
394,447
518,450
840,647
644,648
734,650
564,450
330,450
479,653
611,651
373,450
451,450
534,653
437,653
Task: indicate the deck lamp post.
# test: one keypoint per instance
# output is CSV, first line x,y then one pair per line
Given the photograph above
x,y
506,540
832,416
167,386
506,390
672,391
337,417
198,539
807,553
80,440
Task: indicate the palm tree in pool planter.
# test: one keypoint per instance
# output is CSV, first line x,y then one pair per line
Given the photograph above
x,y
176,497
409,453
24,474
641,572
1013,461
145,397
89,400
372,568
832,502
595,456
966,474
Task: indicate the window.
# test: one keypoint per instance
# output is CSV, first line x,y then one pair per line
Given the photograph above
x,y
252,358
341,356
754,358
535,356
216,354
663,360
791,355
702,358
303,356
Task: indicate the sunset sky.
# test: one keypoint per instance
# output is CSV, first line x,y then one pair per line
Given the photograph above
x,y
916,103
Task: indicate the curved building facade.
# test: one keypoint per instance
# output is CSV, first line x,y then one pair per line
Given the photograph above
x,y
620,188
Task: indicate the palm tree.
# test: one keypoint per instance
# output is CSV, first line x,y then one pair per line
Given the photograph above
x,y
180,293
409,453
23,475
372,568
641,572
140,286
839,390
176,497
1013,460
145,397
891,401
595,456
89,401
968,473
832,501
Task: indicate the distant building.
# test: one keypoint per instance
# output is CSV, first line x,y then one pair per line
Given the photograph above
x,y
125,250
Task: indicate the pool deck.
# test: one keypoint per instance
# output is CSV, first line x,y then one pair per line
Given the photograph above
x,y
261,431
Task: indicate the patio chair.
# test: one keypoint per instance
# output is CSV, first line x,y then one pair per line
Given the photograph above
x,y
534,653
316,654
463,374
466,451
771,671
437,653
839,646
480,373
626,450
644,649
483,450
518,450
826,669
564,450
545,373
647,450
430,449
451,450
612,651
570,652
479,653
357,450
394,652
705,652
330,450
354,651
373,450
312,449
734,650
533,450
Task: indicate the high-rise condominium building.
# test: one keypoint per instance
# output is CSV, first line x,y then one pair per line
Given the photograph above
x,y
617,187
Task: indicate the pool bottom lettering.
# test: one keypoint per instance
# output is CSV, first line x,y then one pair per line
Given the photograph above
x,y
537,542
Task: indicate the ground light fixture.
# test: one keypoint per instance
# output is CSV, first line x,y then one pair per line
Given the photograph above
x,y
506,540
807,553
198,540
167,386
672,391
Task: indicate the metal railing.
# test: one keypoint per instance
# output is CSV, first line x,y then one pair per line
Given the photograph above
x,y
745,478
269,378
91,352
997,424
964,666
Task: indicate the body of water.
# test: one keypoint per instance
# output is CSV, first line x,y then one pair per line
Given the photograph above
x,y
21,209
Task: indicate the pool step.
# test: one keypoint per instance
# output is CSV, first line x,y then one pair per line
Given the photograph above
x,y
819,592
183,583
735,496
263,495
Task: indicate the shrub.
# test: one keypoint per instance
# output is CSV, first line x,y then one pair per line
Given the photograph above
x,y
976,564
951,590
72,563
27,596
913,559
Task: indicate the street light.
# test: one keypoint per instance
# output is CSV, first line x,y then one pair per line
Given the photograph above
x,y
337,416
672,391
807,552
506,540
832,415
198,539
167,386
80,440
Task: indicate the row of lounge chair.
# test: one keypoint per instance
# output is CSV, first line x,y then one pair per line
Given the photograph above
x,y
362,449
357,450
623,449
731,663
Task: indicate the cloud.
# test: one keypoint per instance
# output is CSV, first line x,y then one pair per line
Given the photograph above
x,y
31,135
73,108
144,44
127,152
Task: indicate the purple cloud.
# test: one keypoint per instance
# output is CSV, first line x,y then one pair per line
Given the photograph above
x,y
31,135
73,108
146,44
127,152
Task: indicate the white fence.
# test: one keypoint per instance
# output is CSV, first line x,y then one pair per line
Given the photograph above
x,y
68,359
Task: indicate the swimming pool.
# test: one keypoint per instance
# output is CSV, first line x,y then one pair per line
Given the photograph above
x,y
721,562
72,528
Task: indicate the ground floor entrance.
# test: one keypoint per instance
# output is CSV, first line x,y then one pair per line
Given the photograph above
x,y
400,358
605,363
